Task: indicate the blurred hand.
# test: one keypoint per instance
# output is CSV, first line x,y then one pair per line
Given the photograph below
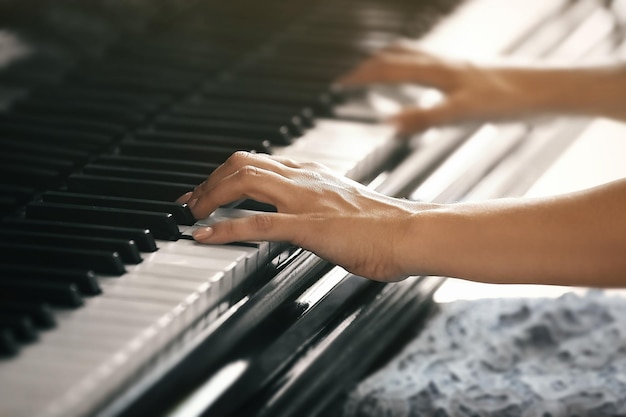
x,y
471,93
334,217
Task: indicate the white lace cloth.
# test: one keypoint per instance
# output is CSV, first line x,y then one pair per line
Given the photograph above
x,y
507,357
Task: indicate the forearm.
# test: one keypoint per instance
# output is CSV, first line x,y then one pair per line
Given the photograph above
x,y
594,90
579,239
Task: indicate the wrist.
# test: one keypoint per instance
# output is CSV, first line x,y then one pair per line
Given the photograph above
x,y
418,251
593,90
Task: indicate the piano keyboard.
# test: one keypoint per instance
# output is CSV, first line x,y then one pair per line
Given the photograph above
x,y
98,276
99,140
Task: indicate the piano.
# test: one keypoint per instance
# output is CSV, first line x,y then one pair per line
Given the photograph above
x,y
111,110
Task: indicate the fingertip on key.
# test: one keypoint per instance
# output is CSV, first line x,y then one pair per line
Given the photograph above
x,y
184,198
203,233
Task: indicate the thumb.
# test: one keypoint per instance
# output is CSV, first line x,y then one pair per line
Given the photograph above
x,y
264,226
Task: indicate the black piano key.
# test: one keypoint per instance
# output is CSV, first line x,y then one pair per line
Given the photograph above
x,y
294,124
58,294
36,70
279,134
323,73
183,138
84,279
185,77
181,212
20,324
306,81
12,196
147,101
54,150
48,134
316,89
306,114
119,187
199,153
24,175
143,174
212,154
36,161
126,248
105,262
162,225
74,124
65,143
143,238
40,313
8,344
8,204
162,164
132,83
178,53
230,110
327,49
259,95
129,115
16,191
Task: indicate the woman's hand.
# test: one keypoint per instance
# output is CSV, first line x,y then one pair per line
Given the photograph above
x,y
334,217
471,92
386,239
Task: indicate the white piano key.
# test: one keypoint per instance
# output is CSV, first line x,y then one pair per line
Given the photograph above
x,y
122,308
181,273
159,295
142,279
341,145
245,257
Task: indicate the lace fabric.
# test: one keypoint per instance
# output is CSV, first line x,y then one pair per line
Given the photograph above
x,y
507,357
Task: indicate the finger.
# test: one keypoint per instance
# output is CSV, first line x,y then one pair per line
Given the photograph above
x,y
266,226
184,198
394,68
299,165
380,68
251,182
416,120
233,164
288,162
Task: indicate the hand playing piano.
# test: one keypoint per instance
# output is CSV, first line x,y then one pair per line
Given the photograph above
x,y
481,93
338,219
471,92
386,239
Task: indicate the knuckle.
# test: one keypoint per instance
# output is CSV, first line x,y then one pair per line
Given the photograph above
x,y
314,177
240,155
263,222
224,230
313,166
239,158
292,163
247,172
228,228
198,190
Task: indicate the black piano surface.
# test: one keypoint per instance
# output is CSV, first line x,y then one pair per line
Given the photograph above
x,y
111,110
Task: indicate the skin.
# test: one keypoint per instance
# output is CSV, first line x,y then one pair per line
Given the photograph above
x,y
492,93
572,239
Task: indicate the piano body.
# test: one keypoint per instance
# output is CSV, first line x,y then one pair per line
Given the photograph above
x,y
111,110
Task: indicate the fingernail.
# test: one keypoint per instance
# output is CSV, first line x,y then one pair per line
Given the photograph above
x,y
183,198
192,203
202,234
